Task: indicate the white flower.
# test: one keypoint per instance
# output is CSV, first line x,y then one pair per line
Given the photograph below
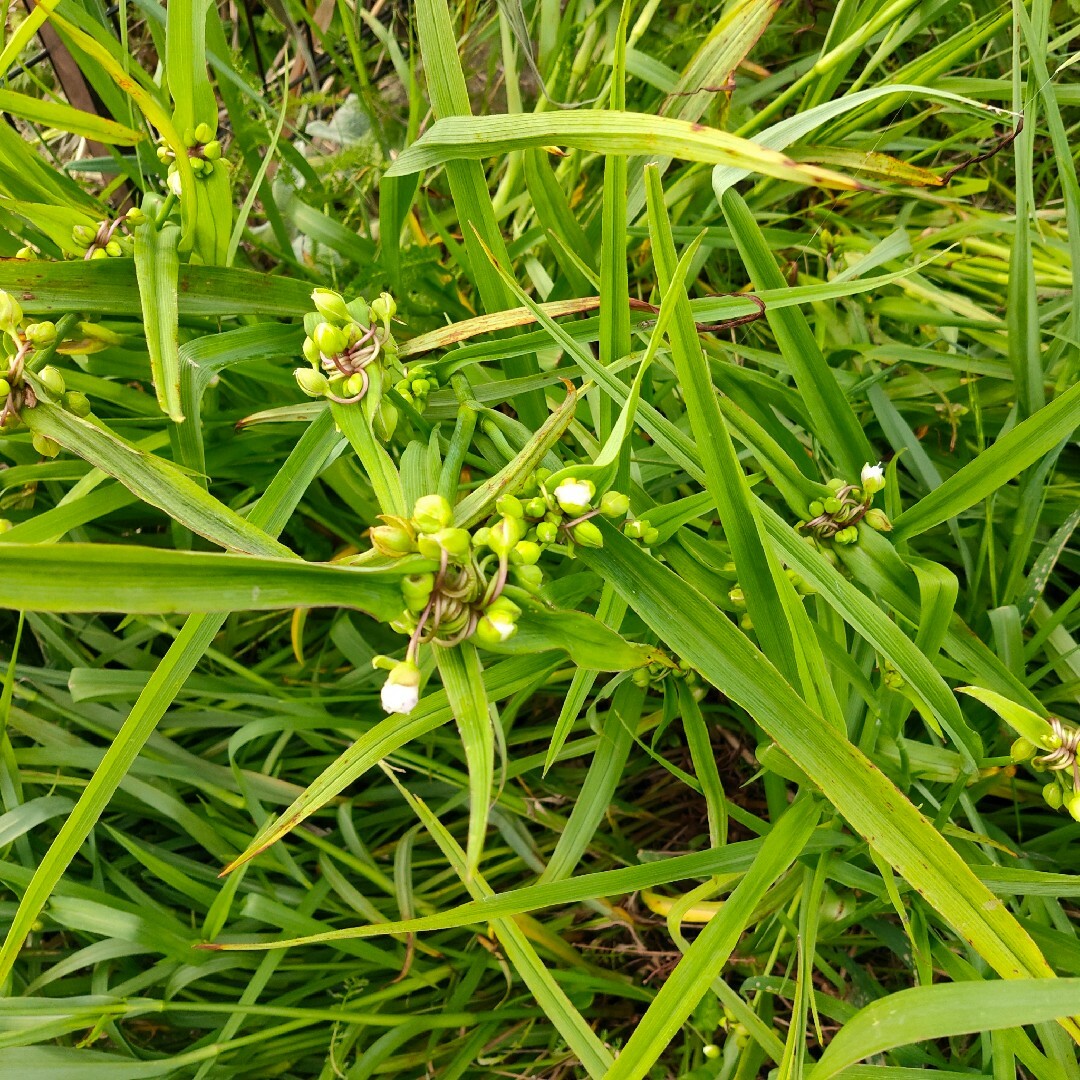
x,y
173,182
574,496
504,626
401,691
873,478
399,699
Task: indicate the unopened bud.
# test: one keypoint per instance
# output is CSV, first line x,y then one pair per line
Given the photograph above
x,y
587,534
203,133
313,383
384,307
331,305
212,150
45,446
547,532
614,504
40,333
525,553
10,313
877,519
431,513
52,380
331,340
1053,796
392,539
504,535
77,403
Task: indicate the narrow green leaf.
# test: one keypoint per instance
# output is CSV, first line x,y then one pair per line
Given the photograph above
x,y
157,268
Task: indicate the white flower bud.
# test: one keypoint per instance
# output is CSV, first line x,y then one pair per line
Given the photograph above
x,y
873,478
574,496
401,691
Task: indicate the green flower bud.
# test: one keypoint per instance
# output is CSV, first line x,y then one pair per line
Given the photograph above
x,y
5,388
10,313
574,496
588,535
1022,750
494,629
26,253
331,306
84,235
641,677
711,1051
455,542
40,333
421,386
525,553
737,597
431,513
635,530
383,307
509,506
392,539
356,384
832,505
536,507
746,622
530,578
52,380
212,150
505,606
98,253
547,532
164,155
482,537
1072,804
45,446
614,504
541,473
416,590
77,403
311,352
816,508
135,217
203,133
1053,796
113,249
5,525
313,383
330,340
358,310
650,536
505,534
876,519
835,484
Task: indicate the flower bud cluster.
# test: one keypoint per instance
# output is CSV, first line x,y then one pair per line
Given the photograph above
x,y
469,579
203,150
1063,791
351,350
738,597
836,517
20,341
653,675
108,239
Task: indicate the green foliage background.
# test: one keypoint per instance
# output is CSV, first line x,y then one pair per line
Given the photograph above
x,y
896,897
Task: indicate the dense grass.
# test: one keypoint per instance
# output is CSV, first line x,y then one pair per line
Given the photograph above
x,y
716,808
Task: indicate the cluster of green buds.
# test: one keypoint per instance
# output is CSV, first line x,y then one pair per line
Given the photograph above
x,y
415,384
654,674
836,517
351,350
203,150
20,340
460,588
1062,760
559,510
738,597
108,239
